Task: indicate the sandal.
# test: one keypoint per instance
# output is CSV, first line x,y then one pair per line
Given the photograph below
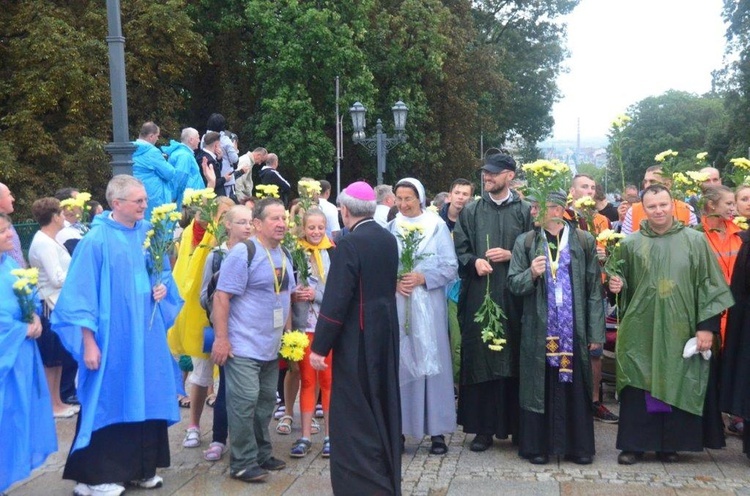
x,y
438,445
280,412
314,427
326,453
184,401
192,438
319,413
215,451
284,427
211,400
301,448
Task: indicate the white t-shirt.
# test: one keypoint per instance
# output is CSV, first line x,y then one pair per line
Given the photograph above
x,y
332,215
52,260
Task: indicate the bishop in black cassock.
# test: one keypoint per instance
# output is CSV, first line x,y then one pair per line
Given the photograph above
x,y
359,322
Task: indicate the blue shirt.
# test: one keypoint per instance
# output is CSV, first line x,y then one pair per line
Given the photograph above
x,y
251,330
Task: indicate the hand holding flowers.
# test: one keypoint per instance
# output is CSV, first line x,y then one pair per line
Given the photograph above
x,y
25,289
411,235
158,245
490,317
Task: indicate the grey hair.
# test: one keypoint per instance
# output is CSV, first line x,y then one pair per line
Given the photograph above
x,y
357,207
383,192
120,185
188,133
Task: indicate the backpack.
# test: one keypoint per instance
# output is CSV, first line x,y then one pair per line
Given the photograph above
x,y
216,269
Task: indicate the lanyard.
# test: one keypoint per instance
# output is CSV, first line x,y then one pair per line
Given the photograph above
x,y
277,280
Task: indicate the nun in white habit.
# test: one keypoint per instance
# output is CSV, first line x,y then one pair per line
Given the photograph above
x,y
425,372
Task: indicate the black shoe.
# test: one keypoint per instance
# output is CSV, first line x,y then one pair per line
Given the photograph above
x,y
539,459
629,457
72,400
481,442
273,464
602,414
254,474
668,456
438,445
579,460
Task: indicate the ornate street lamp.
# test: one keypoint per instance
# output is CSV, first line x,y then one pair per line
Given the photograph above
x,y
381,143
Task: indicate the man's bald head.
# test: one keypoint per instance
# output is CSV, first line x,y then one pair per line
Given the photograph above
x,y
6,200
714,179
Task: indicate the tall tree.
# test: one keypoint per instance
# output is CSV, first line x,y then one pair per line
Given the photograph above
x,y
529,40
734,80
54,88
676,120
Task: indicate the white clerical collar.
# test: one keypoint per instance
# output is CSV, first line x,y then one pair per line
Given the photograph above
x,y
502,200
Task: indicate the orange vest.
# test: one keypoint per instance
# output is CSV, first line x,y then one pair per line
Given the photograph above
x,y
725,248
681,212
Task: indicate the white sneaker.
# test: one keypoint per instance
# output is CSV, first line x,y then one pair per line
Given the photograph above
x,y
98,490
151,483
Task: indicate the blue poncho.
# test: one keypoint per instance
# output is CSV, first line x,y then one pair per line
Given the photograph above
x,y
26,423
155,173
108,290
187,172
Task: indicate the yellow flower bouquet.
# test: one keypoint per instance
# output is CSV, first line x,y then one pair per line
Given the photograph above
x,y
293,345
159,241
25,289
267,191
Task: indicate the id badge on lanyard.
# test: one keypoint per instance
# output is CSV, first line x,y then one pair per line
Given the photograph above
x,y
558,295
278,315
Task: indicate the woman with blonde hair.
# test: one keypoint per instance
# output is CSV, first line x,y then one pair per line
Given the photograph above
x,y
186,336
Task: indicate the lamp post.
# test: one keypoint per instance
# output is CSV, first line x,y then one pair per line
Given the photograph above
x,y
121,149
381,143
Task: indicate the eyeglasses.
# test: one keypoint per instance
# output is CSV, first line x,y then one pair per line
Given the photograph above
x,y
140,201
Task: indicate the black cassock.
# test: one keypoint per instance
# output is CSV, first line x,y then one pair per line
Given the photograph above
x,y
735,361
359,323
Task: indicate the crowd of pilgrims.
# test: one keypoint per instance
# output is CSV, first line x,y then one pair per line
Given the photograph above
x,y
541,390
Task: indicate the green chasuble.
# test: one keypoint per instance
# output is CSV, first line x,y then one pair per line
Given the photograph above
x,y
673,282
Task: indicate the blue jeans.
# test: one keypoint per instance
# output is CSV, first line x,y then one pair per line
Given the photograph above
x,y
251,397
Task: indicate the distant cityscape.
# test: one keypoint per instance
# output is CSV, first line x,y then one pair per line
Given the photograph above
x,y
574,152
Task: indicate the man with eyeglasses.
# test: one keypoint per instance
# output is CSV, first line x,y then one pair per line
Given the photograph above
x,y
113,318
484,236
150,166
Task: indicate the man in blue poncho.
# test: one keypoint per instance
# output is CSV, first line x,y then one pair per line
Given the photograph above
x,y
105,317
152,169
181,156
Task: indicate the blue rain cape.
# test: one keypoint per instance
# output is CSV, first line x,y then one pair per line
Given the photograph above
x,y
155,173
187,172
108,290
26,422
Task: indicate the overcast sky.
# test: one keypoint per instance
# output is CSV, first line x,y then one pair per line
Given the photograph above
x,y
622,51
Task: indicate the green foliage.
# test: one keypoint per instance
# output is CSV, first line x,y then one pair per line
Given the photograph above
x,y
54,89
463,68
676,120
733,81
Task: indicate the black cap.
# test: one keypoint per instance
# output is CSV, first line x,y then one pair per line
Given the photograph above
x,y
499,162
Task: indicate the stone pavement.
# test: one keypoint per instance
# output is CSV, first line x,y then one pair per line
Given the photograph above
x,y
460,472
